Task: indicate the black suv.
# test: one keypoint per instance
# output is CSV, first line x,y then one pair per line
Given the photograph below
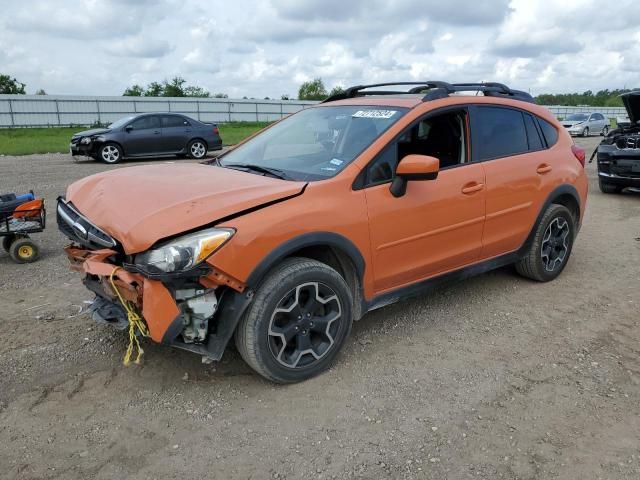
x,y
147,135
619,152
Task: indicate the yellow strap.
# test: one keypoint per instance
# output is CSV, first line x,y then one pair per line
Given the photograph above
x,y
135,322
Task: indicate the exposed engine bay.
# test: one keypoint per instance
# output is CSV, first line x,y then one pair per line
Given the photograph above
x,y
619,152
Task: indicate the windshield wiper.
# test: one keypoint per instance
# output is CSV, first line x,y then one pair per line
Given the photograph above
x,y
274,172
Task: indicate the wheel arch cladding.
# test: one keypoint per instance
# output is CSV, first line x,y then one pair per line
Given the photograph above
x,y
330,248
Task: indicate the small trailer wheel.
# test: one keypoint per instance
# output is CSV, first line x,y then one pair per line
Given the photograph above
x,y
7,241
23,250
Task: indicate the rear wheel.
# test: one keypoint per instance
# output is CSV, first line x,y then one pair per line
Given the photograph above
x,y
608,188
23,250
551,246
197,149
299,319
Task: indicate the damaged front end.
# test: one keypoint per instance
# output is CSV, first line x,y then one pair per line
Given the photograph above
x,y
184,301
618,155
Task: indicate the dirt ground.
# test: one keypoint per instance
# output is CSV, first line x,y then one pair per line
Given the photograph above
x,y
496,377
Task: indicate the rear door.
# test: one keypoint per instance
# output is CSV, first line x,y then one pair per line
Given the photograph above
x,y
507,141
176,131
144,137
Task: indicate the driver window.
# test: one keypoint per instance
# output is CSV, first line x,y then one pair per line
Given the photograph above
x,y
442,136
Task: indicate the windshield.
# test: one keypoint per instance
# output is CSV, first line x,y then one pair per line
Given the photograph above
x,y
578,117
315,143
121,122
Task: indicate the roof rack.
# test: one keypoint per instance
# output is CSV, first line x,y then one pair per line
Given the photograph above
x,y
434,89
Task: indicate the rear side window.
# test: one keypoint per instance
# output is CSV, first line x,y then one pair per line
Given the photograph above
x,y
169,121
535,142
549,132
498,132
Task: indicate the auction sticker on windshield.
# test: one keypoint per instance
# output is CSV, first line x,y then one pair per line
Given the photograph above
x,y
374,114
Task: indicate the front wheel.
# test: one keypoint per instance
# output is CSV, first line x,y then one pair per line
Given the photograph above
x,y
197,149
110,153
585,132
608,188
551,247
300,318
605,131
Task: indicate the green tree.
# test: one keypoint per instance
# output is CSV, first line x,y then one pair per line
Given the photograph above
x,y
192,91
154,89
41,92
11,85
285,96
312,90
134,91
174,88
336,90
220,95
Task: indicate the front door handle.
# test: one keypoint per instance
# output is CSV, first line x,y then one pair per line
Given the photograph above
x,y
544,168
472,187
156,132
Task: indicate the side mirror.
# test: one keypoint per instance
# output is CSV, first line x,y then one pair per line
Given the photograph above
x,y
413,167
128,128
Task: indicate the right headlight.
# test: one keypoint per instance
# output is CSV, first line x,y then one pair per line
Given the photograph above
x,y
183,253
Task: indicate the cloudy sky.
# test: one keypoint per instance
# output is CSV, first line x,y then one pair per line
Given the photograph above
x,y
268,47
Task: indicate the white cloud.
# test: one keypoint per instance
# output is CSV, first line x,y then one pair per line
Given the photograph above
x,y
267,48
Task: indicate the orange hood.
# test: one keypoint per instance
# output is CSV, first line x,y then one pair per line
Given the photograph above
x,y
140,205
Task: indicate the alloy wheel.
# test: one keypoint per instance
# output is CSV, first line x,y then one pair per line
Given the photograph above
x,y
110,154
198,150
304,325
555,244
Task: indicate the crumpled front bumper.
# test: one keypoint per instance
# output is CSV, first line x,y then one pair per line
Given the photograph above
x,y
151,297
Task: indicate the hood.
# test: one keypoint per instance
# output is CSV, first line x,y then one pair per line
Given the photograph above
x,y
140,205
88,133
631,102
571,123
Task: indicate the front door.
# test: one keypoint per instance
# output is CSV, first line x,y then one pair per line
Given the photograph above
x,y
437,225
143,136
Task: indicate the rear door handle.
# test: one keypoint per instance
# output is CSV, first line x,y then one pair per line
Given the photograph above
x,y
156,132
544,168
472,187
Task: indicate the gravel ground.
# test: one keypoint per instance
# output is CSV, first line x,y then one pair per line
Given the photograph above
x,y
496,377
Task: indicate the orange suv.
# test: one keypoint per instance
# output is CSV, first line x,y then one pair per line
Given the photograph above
x,y
377,194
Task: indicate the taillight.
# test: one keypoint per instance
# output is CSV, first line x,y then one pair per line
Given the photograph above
x,y
579,153
216,131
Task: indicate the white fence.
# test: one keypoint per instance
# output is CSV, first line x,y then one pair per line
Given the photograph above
x,y
62,110
49,110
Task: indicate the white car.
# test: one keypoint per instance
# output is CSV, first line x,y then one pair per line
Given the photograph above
x,y
585,124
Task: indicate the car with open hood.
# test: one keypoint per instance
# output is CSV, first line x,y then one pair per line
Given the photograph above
x,y
379,193
618,155
147,135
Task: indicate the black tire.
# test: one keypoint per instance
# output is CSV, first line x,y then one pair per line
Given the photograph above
x,y
533,265
605,131
283,307
23,250
608,188
110,153
197,149
6,242
585,132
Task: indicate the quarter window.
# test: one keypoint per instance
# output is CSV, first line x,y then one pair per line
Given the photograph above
x,y
549,132
498,132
